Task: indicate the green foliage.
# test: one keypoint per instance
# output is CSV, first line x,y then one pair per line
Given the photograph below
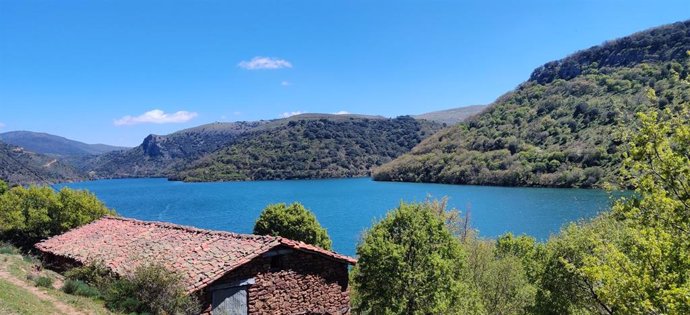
x,y
312,148
43,281
294,222
636,259
78,287
561,289
501,279
9,249
3,187
525,248
151,289
33,213
410,263
562,131
20,167
664,43
95,275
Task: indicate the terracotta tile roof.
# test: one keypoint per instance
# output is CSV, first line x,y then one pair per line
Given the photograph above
x,y
200,256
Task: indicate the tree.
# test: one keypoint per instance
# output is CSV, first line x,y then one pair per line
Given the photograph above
x,y
635,259
294,222
3,187
500,278
30,214
410,263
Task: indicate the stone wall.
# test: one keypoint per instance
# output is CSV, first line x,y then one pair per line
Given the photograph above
x,y
292,283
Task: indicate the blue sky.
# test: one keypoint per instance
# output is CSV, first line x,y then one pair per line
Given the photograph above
x,y
115,71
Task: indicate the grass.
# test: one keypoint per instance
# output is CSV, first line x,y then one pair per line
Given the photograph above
x,y
43,281
76,287
17,300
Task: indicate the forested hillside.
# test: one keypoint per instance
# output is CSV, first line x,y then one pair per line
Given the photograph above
x,y
564,126
312,147
18,166
161,156
302,146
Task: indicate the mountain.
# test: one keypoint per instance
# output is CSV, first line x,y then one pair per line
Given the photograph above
x,y
301,146
20,167
452,116
565,126
162,156
309,146
44,143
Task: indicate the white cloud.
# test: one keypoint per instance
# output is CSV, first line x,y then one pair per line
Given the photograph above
x,y
288,114
156,116
264,63
284,83
2,125
342,112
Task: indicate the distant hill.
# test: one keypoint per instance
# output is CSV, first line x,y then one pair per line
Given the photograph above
x,y
452,116
563,126
44,143
311,146
162,156
20,167
301,146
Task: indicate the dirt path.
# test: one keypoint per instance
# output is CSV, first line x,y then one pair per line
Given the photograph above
x,y
60,307
50,163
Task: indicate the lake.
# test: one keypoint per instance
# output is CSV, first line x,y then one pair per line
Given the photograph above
x,y
346,207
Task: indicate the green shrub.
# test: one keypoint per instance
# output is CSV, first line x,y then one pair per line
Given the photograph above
x,y
3,187
30,214
151,289
44,281
8,249
294,222
95,275
410,263
78,287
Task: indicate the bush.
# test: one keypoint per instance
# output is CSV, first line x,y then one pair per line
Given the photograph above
x,y
78,287
294,222
410,263
3,187
151,289
8,249
30,214
44,281
95,275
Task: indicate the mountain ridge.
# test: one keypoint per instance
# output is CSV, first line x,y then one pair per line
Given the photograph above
x,y
45,143
21,167
169,155
563,126
452,116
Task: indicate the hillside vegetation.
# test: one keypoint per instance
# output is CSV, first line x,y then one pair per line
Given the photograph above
x,y
302,146
326,147
18,166
564,126
160,156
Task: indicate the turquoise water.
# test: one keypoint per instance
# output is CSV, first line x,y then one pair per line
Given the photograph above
x,y
346,207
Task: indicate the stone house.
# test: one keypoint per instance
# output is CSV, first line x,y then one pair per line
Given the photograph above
x,y
230,273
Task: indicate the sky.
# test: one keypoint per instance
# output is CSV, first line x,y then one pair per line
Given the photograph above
x,y
114,71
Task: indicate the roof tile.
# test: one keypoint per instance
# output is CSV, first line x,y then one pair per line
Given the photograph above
x,y
201,256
